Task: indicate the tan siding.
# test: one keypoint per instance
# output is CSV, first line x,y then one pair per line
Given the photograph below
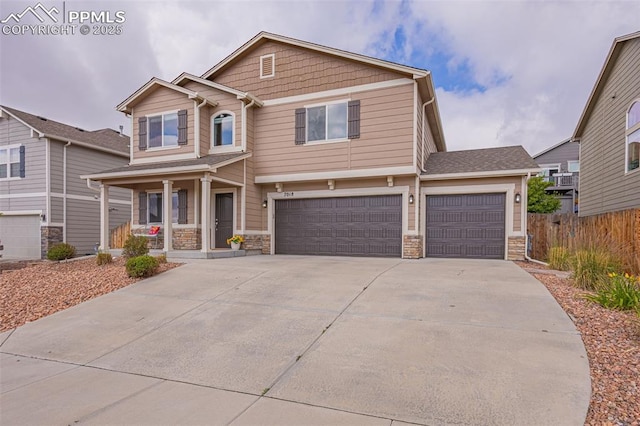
x,y
420,155
604,186
298,71
517,180
226,102
386,136
162,100
233,172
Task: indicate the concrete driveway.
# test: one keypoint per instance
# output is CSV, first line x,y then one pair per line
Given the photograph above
x,y
304,340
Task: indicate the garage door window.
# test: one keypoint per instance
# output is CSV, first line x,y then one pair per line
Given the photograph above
x,y
12,162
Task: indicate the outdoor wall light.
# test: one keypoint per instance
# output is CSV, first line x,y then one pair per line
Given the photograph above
x,y
265,204
517,198
410,198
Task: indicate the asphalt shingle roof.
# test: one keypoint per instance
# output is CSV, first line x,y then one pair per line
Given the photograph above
x,y
207,160
103,138
480,160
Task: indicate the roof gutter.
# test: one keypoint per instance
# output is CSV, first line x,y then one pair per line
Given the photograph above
x,y
490,173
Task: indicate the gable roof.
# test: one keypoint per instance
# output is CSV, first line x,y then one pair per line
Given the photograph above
x,y
265,36
124,106
239,94
551,148
107,140
488,161
614,52
421,76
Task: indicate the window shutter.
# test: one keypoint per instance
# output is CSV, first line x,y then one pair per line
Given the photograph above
x,y
182,206
142,133
182,127
301,118
354,120
142,208
22,162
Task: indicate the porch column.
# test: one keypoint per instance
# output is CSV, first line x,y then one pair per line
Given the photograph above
x,y
205,215
104,217
167,208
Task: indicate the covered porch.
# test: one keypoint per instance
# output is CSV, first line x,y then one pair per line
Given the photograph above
x,y
193,206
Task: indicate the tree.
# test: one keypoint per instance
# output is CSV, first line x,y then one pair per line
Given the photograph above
x,y
539,200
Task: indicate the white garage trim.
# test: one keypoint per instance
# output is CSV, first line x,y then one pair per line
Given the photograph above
x,y
507,188
355,192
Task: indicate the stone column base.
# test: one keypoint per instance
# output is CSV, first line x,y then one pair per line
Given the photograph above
x,y
412,246
517,248
49,236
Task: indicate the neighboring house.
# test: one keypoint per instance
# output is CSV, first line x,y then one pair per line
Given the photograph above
x,y
609,133
306,149
560,165
43,201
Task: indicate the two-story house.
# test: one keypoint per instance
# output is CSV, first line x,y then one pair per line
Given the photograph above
x,y
307,149
560,166
43,200
609,133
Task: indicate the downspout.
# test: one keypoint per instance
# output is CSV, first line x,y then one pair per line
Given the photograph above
x,y
64,191
196,132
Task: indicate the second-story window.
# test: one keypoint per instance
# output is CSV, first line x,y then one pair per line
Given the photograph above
x,y
327,122
633,136
163,130
12,161
222,129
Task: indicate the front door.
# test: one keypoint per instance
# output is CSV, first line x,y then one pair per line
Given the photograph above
x,y
224,219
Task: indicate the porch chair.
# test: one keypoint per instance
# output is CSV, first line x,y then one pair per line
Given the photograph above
x,y
154,231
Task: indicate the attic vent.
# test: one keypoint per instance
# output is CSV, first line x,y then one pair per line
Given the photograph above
x,y
41,118
267,65
78,128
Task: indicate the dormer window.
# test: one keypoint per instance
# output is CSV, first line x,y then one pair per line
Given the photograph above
x,y
222,125
267,66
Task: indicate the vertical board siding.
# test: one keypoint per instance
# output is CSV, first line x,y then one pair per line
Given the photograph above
x,y
298,71
604,186
162,100
13,132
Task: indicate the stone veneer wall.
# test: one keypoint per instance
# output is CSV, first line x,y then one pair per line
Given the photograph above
x,y
187,239
49,235
412,246
517,247
257,242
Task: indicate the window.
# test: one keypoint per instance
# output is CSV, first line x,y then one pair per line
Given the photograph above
x,y
12,162
336,121
154,207
163,130
222,125
633,137
327,122
548,170
573,166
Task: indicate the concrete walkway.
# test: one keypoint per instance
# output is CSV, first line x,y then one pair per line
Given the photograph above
x,y
304,340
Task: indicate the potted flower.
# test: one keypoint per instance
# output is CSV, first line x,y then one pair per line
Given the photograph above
x,y
235,242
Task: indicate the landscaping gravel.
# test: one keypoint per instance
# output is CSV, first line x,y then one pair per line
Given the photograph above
x,y
43,288
612,341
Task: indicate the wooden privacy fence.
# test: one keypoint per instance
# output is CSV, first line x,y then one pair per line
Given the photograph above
x,y
617,232
119,235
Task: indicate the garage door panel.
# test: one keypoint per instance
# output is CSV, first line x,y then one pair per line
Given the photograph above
x,y
355,226
466,225
20,236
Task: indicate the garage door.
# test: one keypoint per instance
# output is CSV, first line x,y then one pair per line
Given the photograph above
x,y
466,225
345,226
20,236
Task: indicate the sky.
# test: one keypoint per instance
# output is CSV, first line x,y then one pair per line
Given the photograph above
x,y
506,72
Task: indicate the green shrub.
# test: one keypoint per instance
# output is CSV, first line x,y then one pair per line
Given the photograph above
x,y
135,246
591,267
620,292
103,258
141,266
162,258
559,258
61,251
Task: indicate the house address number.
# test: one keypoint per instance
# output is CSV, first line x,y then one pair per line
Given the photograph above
x,y
287,194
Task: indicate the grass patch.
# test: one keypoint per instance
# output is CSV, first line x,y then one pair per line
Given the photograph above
x,y
559,258
591,267
622,293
